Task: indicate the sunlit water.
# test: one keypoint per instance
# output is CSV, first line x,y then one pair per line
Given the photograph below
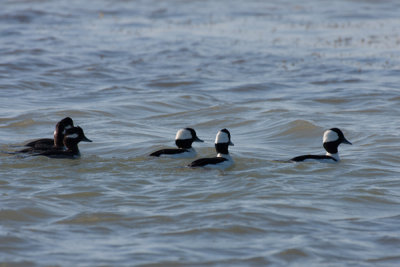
x,y
131,73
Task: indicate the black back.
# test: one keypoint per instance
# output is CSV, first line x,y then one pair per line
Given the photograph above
x,y
205,161
41,143
317,157
60,154
172,151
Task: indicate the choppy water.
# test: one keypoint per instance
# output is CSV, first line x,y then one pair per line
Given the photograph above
x,y
131,73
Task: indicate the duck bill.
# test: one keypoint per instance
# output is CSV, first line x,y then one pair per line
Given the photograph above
x,y
345,141
196,139
231,144
85,139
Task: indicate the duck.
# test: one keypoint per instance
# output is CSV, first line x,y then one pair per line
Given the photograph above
x,y
45,144
72,137
331,140
223,160
183,140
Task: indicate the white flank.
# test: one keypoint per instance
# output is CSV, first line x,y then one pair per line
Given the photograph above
x,y
335,156
183,134
223,165
330,136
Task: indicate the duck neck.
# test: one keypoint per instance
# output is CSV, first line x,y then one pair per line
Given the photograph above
x,y
185,143
222,148
71,145
332,147
58,138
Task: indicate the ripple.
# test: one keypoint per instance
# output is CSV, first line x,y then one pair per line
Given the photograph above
x,y
276,75
165,84
92,218
292,254
299,128
336,81
79,195
228,229
24,215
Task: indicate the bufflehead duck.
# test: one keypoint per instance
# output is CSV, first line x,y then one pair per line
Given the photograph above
x,y
183,140
331,140
45,144
223,160
71,139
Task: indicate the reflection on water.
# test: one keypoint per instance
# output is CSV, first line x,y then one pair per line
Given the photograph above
x,y
131,73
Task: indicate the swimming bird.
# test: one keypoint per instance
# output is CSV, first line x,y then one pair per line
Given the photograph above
x,y
72,137
331,141
45,144
223,160
183,140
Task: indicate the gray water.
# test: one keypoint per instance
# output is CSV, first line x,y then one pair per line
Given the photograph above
x,y
277,74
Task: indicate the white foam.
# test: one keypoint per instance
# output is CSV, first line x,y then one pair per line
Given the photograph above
x,y
183,134
330,136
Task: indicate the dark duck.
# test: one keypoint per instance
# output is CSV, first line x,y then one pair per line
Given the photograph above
x,y
72,137
57,143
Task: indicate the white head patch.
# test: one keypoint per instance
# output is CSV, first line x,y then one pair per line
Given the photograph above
x,y
330,136
183,134
221,138
73,136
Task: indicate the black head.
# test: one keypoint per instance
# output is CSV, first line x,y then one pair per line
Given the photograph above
x,y
223,141
67,122
59,132
332,139
73,136
185,137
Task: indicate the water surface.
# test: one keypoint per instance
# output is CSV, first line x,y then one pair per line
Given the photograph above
x,y
131,73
